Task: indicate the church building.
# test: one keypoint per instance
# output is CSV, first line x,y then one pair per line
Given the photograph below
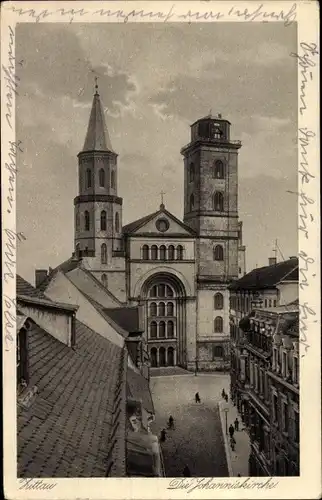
x,y
179,271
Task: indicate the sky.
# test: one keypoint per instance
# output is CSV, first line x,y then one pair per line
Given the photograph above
x,y
155,80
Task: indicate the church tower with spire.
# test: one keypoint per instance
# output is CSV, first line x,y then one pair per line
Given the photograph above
x,y
98,208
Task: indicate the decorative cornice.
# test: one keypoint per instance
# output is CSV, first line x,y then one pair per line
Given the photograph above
x,y
106,198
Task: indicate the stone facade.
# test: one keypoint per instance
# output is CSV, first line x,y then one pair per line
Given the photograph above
x,y
179,271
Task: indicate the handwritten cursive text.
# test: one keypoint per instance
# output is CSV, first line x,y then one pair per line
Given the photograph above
x,y
305,62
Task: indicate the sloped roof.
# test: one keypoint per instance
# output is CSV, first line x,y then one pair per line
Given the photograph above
x,y
64,267
97,137
66,431
126,317
86,282
139,388
268,276
21,320
133,226
23,287
83,280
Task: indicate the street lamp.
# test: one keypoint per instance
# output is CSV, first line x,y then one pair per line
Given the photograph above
x,y
226,410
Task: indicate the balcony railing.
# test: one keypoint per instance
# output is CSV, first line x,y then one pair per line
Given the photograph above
x,y
217,140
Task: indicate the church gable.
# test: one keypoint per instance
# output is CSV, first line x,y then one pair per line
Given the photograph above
x,y
161,223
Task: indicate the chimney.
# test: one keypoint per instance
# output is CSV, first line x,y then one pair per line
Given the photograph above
x,y
40,276
272,261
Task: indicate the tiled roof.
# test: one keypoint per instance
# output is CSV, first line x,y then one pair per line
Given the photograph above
x,y
25,288
268,276
139,388
126,317
65,432
65,267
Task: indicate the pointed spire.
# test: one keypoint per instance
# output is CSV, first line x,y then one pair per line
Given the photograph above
x,y
97,137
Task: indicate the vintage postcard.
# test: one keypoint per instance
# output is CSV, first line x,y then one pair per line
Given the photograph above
x,y
160,250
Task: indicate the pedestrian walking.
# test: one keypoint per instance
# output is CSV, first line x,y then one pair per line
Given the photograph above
x,y
171,422
223,394
236,423
238,475
197,397
226,398
186,471
231,430
163,435
232,442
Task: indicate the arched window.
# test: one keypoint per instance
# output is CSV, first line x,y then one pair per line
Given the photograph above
x,y
103,254
104,280
161,309
88,178
145,252
219,171
162,356
170,356
170,309
154,357
179,252
153,291
218,252
153,330
162,330
171,252
161,291
192,203
154,252
153,309
191,172
112,179
103,220
162,252
218,201
218,324
219,301
170,329
117,222
87,222
101,176
218,351
169,291
77,222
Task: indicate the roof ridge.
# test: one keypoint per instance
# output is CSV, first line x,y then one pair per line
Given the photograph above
x,y
101,285
142,220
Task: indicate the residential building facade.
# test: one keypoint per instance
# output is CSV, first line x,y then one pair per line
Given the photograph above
x,y
265,369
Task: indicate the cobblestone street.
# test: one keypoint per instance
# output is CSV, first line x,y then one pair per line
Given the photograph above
x,y
197,439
